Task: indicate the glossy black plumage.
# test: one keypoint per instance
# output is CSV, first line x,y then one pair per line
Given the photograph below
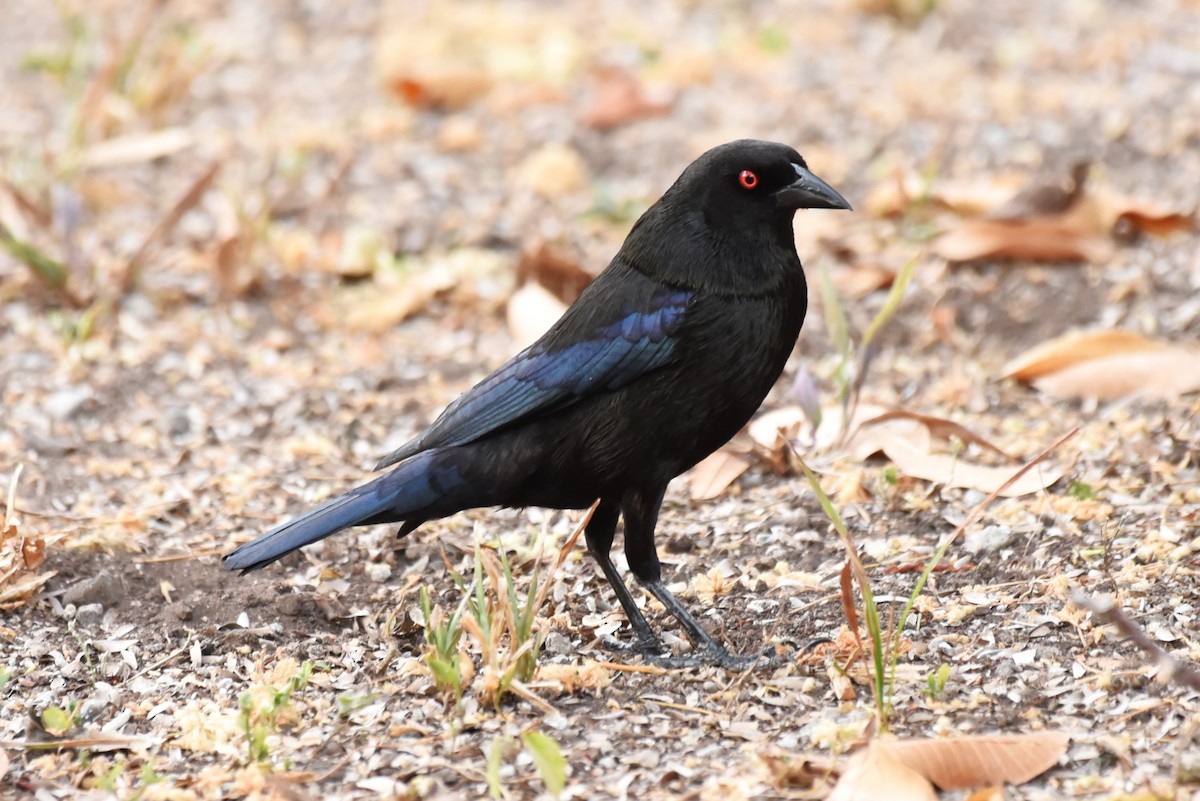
x,y
661,360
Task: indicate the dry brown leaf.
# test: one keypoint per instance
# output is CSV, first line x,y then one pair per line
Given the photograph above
x,y
868,440
1065,238
953,471
1157,222
1117,211
859,280
393,296
618,99
782,424
383,308
987,794
713,476
531,311
1046,196
872,773
1107,365
233,275
441,84
556,271
956,763
1156,374
939,427
1074,348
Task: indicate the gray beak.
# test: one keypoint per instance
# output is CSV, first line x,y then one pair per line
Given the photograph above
x,y
809,192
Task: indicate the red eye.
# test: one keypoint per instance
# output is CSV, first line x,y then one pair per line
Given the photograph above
x,y
748,179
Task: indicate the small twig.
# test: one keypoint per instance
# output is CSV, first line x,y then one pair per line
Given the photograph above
x,y
1170,669
189,199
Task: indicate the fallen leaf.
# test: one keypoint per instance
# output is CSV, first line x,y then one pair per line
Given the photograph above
x,y
1051,239
1158,222
777,426
872,773
987,794
939,427
954,471
617,98
713,476
1157,375
1074,348
1120,213
867,440
394,295
554,270
859,280
230,266
441,84
531,311
1108,364
1046,196
955,763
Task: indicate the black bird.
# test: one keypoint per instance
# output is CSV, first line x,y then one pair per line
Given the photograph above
x,y
662,359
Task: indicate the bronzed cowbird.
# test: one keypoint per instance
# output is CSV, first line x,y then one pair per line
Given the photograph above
x,y
660,360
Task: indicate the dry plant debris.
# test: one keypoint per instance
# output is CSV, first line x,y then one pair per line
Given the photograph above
x,y
247,248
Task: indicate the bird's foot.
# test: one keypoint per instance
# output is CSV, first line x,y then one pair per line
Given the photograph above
x,y
721,657
650,649
657,654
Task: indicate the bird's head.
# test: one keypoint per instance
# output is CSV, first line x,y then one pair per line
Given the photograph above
x,y
751,181
733,204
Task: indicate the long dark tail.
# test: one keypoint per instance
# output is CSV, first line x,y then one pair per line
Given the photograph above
x,y
421,488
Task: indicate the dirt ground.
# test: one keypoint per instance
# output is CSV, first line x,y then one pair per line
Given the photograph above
x,y
356,184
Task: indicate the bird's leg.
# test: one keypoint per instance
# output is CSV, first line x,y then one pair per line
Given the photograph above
x,y
641,518
599,535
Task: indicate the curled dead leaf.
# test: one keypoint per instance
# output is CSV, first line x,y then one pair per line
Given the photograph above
x,y
1155,375
713,476
939,427
1108,364
873,773
553,269
444,85
1046,196
1074,348
953,471
1052,239
618,98
955,763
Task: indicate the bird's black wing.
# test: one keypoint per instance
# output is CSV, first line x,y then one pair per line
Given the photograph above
x,y
627,332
